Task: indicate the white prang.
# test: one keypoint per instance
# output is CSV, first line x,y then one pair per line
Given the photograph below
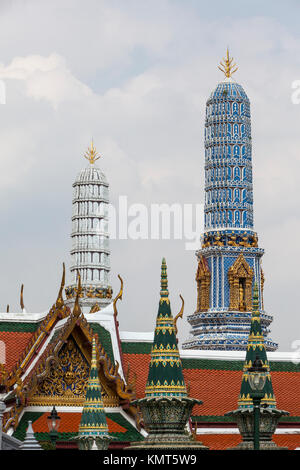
x,y
90,236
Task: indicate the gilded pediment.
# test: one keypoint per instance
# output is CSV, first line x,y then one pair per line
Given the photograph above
x,y
66,380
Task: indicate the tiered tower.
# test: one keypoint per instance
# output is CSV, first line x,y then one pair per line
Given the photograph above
x,y
269,414
90,237
229,261
166,407
165,376
93,425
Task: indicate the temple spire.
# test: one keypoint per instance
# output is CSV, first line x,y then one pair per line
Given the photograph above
x,y
93,426
166,407
256,347
269,414
90,251
165,371
228,67
164,293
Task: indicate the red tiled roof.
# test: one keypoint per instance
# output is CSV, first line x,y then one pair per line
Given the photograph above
x,y
210,386
15,343
219,389
286,387
219,441
138,364
225,441
69,422
287,440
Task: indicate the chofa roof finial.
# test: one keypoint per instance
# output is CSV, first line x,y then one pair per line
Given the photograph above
x,y
77,309
60,300
22,299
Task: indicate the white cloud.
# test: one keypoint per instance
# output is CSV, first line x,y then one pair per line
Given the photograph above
x,y
46,78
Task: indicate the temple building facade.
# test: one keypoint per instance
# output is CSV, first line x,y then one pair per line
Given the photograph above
x,y
229,261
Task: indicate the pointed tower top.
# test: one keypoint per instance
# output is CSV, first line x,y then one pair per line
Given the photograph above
x,y
165,371
91,154
227,66
94,356
93,421
256,347
164,293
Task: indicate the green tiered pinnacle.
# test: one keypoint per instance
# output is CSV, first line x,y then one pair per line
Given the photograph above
x,y
256,347
165,371
93,421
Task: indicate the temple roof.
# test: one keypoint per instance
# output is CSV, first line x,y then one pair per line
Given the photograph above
x,y
47,348
208,372
120,427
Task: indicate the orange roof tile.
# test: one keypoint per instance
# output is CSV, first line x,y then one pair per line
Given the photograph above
x,y
286,387
15,343
219,441
218,389
225,441
287,440
139,364
210,386
69,422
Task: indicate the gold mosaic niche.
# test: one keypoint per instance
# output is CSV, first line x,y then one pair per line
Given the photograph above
x,y
203,285
66,380
240,276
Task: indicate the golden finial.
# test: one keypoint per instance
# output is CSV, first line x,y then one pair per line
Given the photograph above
x,y
77,309
227,66
21,298
60,301
119,296
91,155
180,314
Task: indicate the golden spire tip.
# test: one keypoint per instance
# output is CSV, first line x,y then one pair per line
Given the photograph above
x,y
228,67
91,154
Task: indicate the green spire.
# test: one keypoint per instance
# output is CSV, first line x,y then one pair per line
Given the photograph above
x,y
256,347
93,421
165,371
164,293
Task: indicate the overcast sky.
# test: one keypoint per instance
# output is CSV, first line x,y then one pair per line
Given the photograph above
x,y
135,76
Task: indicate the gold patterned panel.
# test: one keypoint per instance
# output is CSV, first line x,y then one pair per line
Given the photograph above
x,y
203,285
66,381
240,277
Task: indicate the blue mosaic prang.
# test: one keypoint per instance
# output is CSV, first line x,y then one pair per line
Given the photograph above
x,y
228,159
229,230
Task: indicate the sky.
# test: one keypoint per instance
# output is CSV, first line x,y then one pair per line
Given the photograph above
x,y
135,77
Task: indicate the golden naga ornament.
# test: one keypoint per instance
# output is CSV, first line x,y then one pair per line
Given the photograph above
x,y
228,67
91,154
